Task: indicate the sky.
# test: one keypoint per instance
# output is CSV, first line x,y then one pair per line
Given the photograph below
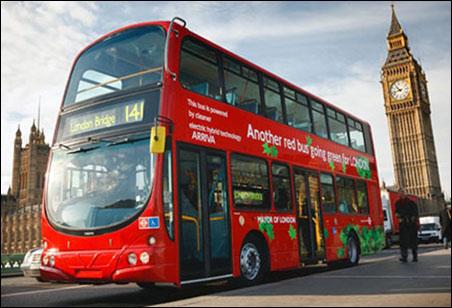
x,y
334,50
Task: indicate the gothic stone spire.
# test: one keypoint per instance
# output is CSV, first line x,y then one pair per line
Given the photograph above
x,y
395,28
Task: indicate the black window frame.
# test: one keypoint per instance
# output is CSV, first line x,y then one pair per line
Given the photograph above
x,y
267,204
219,66
355,196
332,113
242,75
291,192
296,98
168,154
351,122
265,87
368,139
313,109
334,211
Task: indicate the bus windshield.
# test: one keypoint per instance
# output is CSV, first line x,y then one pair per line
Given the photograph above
x,y
99,185
126,60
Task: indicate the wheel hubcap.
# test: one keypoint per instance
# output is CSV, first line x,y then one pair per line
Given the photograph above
x,y
250,261
352,251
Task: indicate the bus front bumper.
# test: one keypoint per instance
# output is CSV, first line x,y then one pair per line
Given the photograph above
x,y
141,273
103,267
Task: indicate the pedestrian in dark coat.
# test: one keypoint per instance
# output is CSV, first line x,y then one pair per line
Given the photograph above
x,y
445,219
408,215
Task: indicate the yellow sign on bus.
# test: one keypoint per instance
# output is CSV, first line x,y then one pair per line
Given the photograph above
x,y
134,112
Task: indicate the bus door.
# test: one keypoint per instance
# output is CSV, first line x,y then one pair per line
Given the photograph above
x,y
205,244
310,221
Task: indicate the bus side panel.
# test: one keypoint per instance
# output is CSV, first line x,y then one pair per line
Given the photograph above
x,y
332,240
279,232
368,229
393,197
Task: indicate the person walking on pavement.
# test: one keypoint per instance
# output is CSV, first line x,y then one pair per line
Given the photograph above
x,y
445,220
408,215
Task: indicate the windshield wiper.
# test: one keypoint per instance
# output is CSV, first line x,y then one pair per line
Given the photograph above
x,y
126,140
61,145
89,140
110,142
82,150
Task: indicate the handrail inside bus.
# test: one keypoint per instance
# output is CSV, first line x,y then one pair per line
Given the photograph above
x,y
103,84
170,30
198,231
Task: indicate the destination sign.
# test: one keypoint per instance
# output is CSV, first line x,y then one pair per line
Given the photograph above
x,y
119,114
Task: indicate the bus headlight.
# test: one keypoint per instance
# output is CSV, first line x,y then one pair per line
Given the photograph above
x,y
132,259
52,261
45,260
144,258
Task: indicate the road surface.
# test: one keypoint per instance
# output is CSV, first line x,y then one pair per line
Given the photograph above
x,y
380,280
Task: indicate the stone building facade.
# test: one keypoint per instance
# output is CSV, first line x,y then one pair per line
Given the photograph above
x,y
21,206
407,107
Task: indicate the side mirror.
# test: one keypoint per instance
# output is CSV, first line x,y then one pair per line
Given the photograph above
x,y
158,139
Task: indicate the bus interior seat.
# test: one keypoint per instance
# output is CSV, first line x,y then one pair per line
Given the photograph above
x,y
250,105
306,126
231,96
271,113
201,88
291,120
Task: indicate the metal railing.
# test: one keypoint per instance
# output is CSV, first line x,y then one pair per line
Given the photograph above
x,y
11,264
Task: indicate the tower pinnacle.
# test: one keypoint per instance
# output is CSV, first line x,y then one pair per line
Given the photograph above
x,y
395,27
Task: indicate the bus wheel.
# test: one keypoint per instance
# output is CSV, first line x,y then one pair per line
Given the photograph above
x,y
388,242
353,250
253,262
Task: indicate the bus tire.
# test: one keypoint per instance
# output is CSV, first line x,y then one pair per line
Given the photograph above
x,y
388,242
147,285
353,250
254,261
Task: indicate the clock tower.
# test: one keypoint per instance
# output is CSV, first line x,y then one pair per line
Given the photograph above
x,y
407,107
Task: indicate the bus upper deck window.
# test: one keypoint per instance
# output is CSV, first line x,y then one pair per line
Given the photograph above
x,y
199,69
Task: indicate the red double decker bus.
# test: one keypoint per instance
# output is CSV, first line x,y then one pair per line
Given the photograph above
x,y
176,161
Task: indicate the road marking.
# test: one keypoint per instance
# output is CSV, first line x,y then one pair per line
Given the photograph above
x,y
44,291
381,277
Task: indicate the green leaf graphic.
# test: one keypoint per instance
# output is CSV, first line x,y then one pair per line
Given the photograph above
x,y
267,227
365,173
332,165
325,233
292,233
271,151
274,151
267,149
262,226
308,140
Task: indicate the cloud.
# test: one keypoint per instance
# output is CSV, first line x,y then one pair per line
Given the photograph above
x,y
38,43
333,49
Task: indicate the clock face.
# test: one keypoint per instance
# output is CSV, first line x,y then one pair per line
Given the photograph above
x,y
400,89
